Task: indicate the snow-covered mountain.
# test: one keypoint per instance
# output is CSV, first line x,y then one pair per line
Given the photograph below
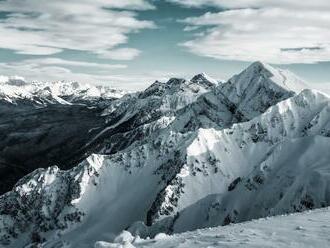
x,y
43,124
16,88
273,164
257,87
182,155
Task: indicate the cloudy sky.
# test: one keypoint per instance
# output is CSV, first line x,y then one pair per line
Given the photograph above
x,y
130,43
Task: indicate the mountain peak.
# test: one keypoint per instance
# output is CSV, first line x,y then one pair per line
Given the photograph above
x,y
261,68
157,89
255,88
201,75
263,73
204,79
13,80
175,81
259,64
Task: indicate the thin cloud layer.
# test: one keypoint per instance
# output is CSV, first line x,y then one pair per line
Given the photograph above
x,y
318,4
54,69
280,32
47,27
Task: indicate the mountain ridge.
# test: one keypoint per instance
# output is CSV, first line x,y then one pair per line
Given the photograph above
x,y
16,88
177,150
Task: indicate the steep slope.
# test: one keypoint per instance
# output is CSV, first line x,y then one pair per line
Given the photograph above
x,y
130,106
195,103
260,85
307,229
44,124
248,155
137,116
151,168
32,137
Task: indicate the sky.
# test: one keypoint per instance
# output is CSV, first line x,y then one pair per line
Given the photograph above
x,y
129,44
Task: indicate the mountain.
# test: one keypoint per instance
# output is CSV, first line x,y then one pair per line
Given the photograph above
x,y
260,74
269,165
43,124
308,229
257,87
182,155
13,89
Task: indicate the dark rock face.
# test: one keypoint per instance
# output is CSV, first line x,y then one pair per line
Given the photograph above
x,y
34,137
233,185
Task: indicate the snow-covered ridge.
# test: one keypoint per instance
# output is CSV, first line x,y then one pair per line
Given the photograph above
x,y
284,78
258,85
13,88
182,155
241,171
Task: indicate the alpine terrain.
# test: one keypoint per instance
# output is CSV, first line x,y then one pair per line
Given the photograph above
x,y
81,164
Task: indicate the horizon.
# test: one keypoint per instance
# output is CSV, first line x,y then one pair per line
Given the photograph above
x,y
322,87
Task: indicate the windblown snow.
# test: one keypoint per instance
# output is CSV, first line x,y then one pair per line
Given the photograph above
x,y
308,229
185,155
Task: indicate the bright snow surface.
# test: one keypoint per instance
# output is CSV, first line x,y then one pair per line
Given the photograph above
x,y
13,88
307,229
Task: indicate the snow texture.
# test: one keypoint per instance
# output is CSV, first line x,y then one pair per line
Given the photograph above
x,y
305,230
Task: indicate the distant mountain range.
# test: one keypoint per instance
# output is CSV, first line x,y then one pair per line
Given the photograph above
x,y
13,89
181,155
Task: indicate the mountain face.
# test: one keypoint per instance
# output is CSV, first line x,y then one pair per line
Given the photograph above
x,y
180,155
45,124
273,164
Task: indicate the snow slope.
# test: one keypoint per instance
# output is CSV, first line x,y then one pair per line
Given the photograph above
x,y
324,87
305,230
243,172
182,155
259,84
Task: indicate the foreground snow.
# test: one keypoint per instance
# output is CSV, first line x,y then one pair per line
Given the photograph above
x,y
308,229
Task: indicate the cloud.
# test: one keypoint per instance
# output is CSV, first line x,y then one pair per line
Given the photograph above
x,y
61,62
318,4
279,32
47,27
120,54
55,69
